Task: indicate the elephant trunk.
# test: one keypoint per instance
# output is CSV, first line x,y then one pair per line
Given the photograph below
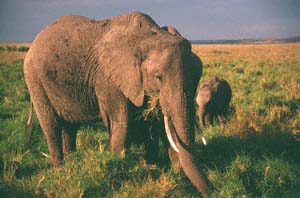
x,y
191,170
179,120
201,112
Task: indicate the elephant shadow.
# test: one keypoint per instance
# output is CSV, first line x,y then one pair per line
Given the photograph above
x,y
272,140
120,170
8,190
219,154
222,150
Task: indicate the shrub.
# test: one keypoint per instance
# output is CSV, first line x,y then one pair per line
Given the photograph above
x,y
11,48
23,49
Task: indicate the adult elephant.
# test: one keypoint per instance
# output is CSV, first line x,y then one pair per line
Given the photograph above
x,y
78,69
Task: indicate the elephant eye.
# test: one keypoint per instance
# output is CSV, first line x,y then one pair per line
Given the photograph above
x,y
158,76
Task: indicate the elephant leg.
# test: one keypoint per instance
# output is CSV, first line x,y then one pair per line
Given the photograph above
x,y
48,119
53,132
118,126
69,133
202,121
207,119
116,121
117,137
174,158
200,115
221,119
114,112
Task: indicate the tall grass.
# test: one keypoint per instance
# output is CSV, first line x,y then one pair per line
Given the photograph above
x,y
255,154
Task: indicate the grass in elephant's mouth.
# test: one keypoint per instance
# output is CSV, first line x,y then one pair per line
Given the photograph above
x,y
256,154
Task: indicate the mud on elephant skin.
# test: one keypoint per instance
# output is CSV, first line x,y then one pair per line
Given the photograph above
x,y
212,100
78,69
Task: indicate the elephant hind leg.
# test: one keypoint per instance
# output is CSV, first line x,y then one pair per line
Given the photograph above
x,y
50,122
69,133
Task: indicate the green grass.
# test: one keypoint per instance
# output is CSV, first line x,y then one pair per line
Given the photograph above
x,y
256,154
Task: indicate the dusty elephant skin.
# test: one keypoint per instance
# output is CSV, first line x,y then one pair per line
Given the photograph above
x,y
78,70
213,98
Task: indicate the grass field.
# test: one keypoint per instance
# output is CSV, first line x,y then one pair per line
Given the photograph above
x,y
256,154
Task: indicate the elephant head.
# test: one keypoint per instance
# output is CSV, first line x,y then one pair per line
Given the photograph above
x,y
213,98
144,59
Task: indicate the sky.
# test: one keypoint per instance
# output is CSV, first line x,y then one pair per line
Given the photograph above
x,y
21,20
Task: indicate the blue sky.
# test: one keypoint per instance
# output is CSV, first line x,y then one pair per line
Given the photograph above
x,y
21,20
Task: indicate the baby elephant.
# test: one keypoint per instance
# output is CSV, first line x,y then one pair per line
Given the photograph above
x,y
213,98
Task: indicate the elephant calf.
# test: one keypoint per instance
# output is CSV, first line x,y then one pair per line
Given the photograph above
x,y
212,99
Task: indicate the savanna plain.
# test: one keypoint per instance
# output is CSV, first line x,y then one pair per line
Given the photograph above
x,y
255,154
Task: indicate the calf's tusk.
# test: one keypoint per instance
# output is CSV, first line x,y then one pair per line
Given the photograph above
x,y
203,140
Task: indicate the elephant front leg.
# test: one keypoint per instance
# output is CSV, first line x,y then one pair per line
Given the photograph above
x,y
113,107
118,132
202,121
201,116
207,119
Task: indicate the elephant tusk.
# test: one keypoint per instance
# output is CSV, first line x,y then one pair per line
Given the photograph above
x,y
30,116
203,140
169,135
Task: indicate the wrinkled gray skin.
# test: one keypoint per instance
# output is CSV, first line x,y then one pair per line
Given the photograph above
x,y
78,70
213,98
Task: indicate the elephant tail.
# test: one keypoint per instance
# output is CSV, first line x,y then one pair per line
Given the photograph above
x,y
29,125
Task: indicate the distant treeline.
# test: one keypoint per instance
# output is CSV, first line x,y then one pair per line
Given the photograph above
x,y
249,41
14,48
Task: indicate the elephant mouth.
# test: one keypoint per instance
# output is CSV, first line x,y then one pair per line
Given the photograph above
x,y
170,132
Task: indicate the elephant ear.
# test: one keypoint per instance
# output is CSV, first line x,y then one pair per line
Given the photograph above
x,y
120,63
172,30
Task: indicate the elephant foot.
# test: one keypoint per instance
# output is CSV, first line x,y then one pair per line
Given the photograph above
x,y
119,152
117,139
57,160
